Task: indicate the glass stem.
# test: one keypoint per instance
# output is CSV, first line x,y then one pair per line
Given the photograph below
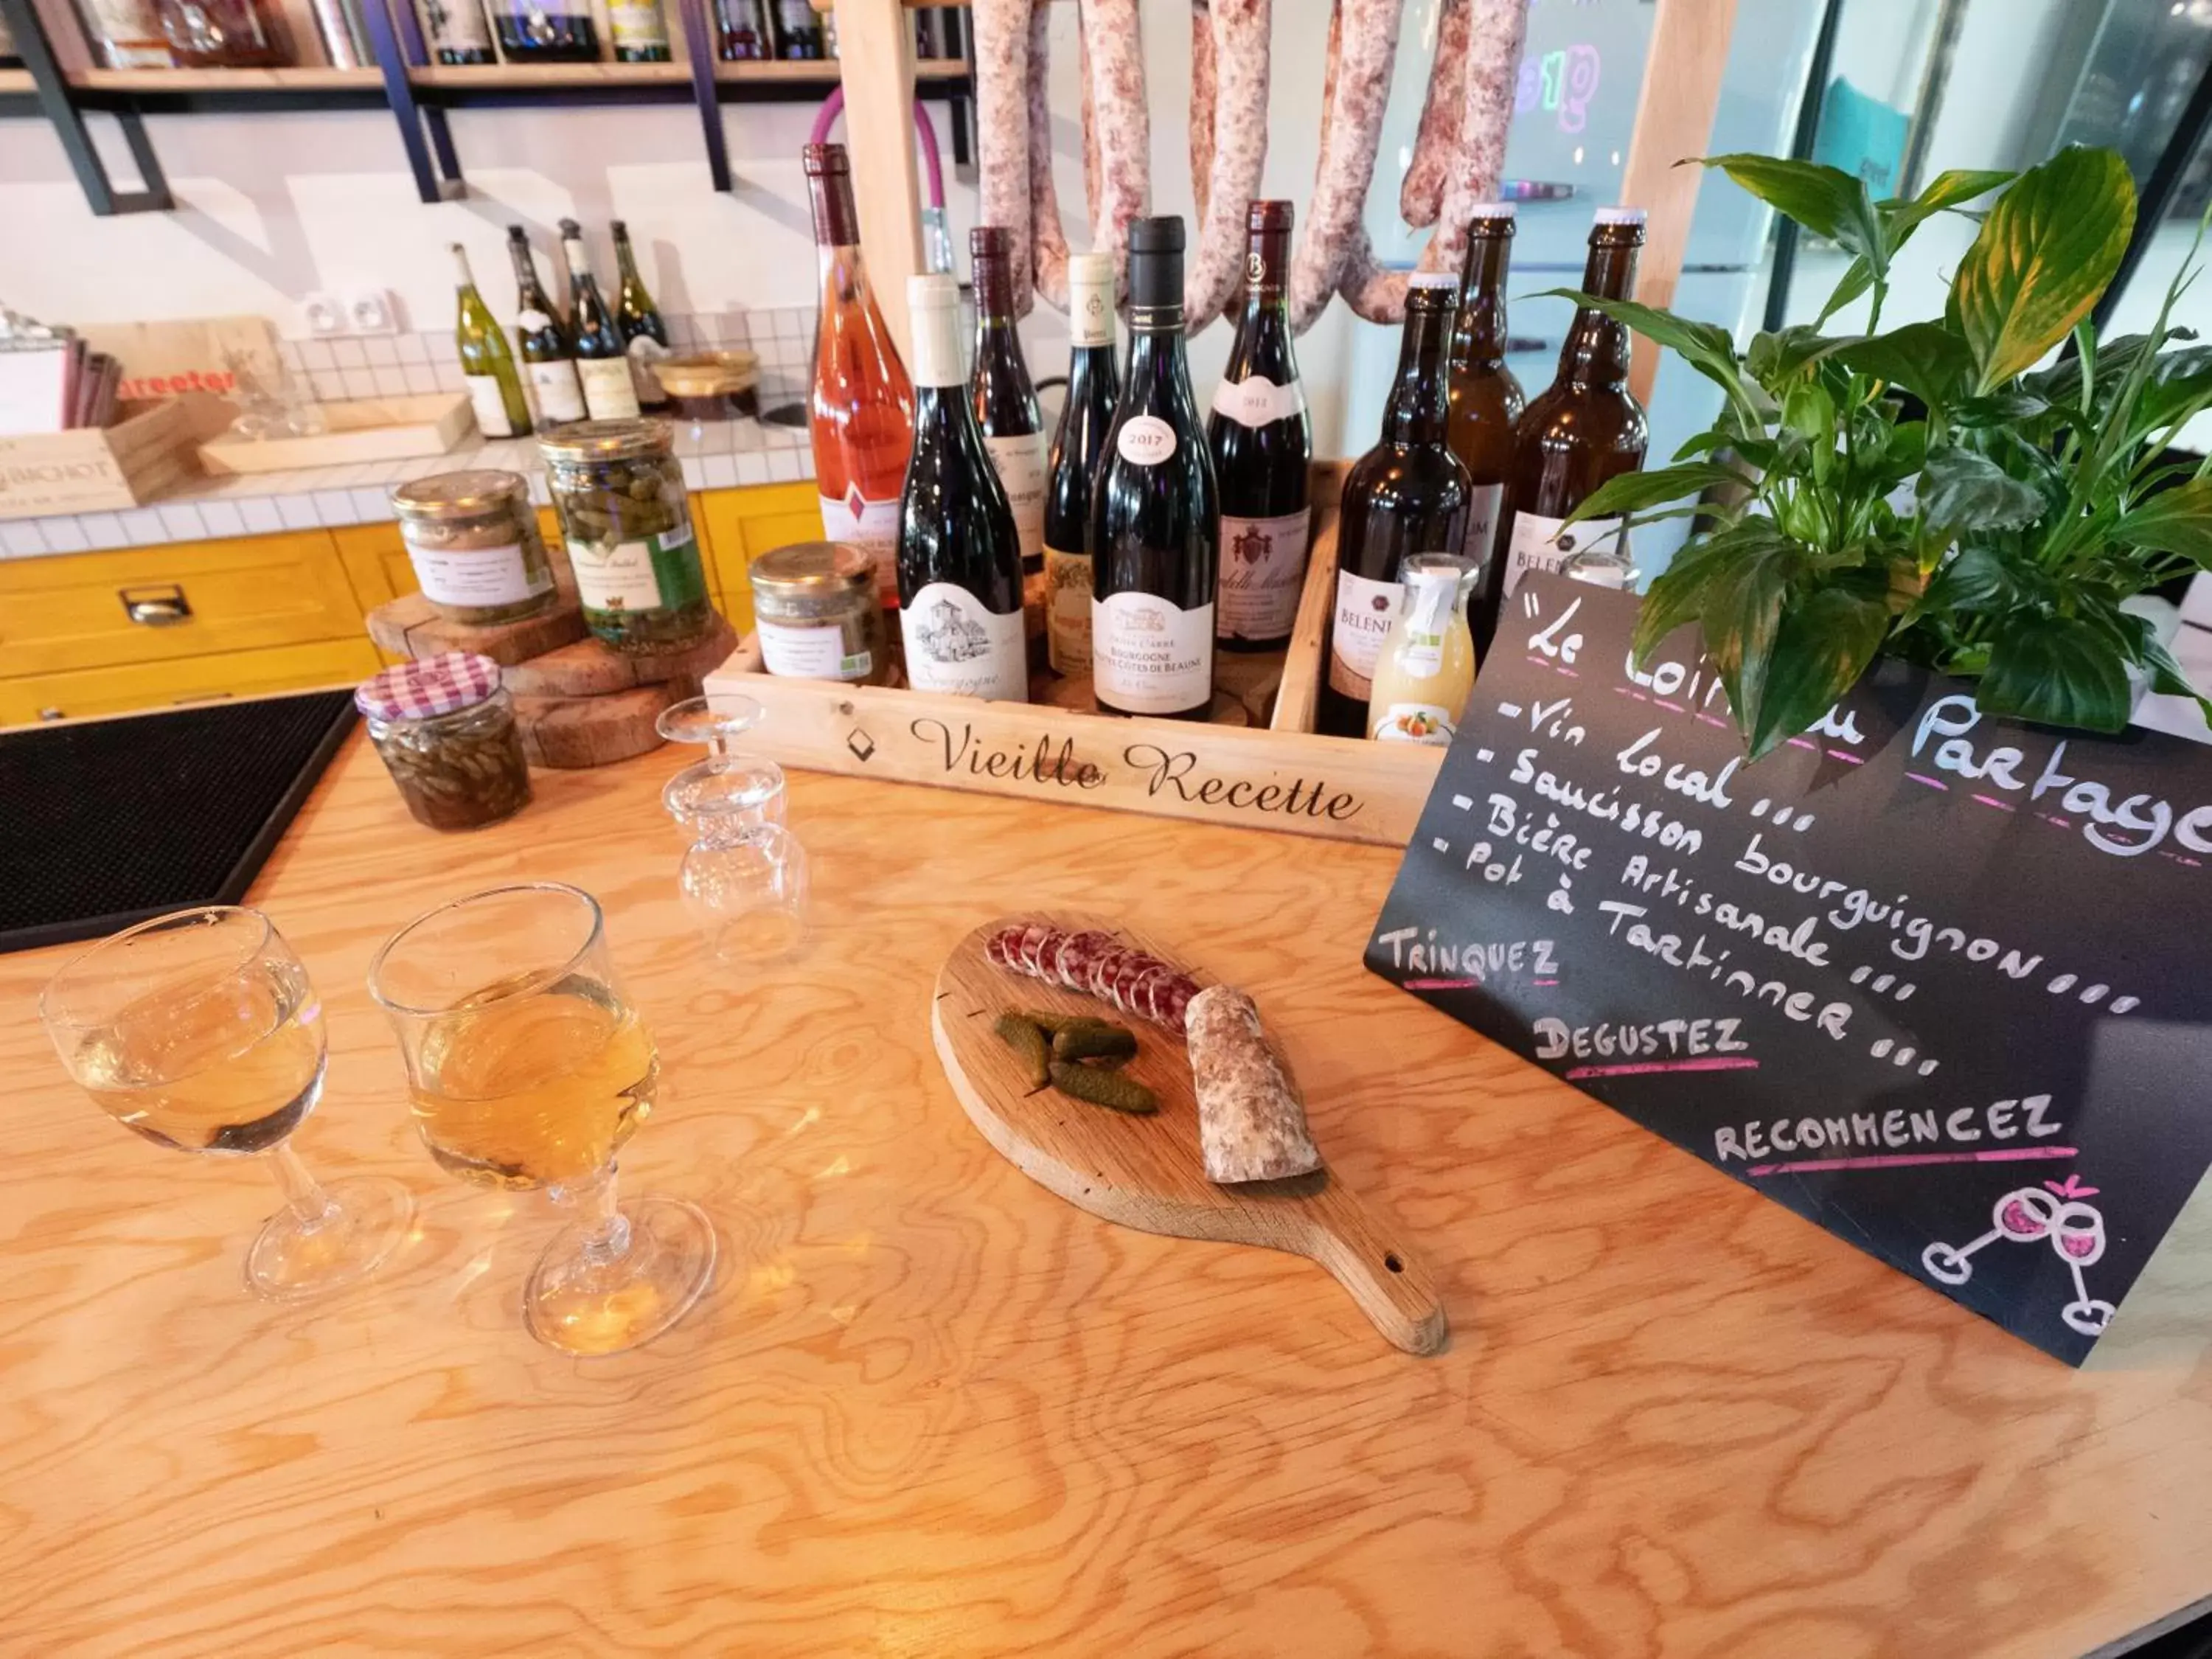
x,y
606,1235
308,1201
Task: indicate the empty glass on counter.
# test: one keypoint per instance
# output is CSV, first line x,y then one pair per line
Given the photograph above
x,y
744,878
200,1030
527,1068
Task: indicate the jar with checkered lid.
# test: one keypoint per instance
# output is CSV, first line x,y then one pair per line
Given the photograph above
x,y
445,729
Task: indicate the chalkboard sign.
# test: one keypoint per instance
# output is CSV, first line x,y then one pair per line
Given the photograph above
x,y
1939,983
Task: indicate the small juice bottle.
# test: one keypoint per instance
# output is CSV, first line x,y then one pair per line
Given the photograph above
x,y
1427,667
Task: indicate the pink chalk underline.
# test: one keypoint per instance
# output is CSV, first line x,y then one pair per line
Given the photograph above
x,y
1717,1064
2008,1155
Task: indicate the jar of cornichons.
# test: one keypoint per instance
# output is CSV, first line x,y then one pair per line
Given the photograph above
x,y
817,616
623,513
472,538
445,728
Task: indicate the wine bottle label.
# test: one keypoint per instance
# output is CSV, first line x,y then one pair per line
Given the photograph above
x,y
480,577
1484,504
871,526
1149,656
1257,401
956,645
129,35
1414,723
797,652
1364,611
661,572
559,394
460,27
1540,543
491,405
1090,316
1019,463
1145,441
531,319
609,392
637,25
1068,611
1263,569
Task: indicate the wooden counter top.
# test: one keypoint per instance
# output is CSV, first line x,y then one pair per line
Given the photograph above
x,y
929,1409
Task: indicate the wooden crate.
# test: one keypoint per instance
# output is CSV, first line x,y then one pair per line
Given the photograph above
x,y
97,469
1280,776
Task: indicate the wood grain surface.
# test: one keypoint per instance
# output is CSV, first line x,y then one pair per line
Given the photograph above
x,y
1149,1172
929,1409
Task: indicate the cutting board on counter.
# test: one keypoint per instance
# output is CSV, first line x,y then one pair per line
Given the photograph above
x,y
1148,1172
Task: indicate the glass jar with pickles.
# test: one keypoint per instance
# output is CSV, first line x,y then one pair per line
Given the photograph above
x,y
445,729
473,540
619,494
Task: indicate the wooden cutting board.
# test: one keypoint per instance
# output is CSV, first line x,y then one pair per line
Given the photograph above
x,y
1148,1172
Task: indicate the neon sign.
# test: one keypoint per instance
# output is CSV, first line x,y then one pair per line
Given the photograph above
x,y
1563,81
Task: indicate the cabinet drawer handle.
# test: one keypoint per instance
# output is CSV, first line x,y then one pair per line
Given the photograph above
x,y
155,607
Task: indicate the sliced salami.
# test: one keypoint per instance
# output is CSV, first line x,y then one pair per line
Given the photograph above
x,y
1000,948
1145,992
1180,990
1033,939
1083,949
1103,967
1133,967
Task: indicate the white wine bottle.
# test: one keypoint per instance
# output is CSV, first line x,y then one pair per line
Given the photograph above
x,y
602,359
487,363
548,358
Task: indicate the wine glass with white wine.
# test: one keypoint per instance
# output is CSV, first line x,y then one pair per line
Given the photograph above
x,y
200,1030
527,1068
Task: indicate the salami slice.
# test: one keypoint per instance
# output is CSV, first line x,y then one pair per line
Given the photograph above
x,y
1177,996
1145,993
1083,949
1000,948
1025,954
1102,969
1053,955
1133,966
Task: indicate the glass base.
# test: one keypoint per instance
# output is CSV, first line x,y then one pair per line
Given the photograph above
x,y
584,1306
367,1219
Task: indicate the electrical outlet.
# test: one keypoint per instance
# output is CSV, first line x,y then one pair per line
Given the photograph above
x,y
324,315
371,311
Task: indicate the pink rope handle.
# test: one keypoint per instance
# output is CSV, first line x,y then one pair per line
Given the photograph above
x,y
925,136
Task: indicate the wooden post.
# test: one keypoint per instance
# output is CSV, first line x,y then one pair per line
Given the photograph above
x,y
1673,120
875,40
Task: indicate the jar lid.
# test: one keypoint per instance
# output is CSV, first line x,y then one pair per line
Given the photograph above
x,y
810,570
607,441
443,684
703,374
459,495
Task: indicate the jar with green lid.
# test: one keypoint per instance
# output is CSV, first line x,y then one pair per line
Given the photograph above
x,y
619,494
816,614
472,538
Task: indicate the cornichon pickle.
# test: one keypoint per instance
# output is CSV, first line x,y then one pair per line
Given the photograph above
x,y
1026,1039
1103,1088
1100,1039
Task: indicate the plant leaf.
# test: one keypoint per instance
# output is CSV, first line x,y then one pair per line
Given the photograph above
x,y
1975,579
1857,278
2047,250
1961,490
1825,200
2166,673
1704,347
2180,385
1775,359
2008,408
2062,382
1900,218
2061,671
1926,358
1742,610
1824,642
1678,593
2177,521
1632,492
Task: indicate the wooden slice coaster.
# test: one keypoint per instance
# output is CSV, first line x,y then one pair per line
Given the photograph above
x,y
570,732
411,627
592,668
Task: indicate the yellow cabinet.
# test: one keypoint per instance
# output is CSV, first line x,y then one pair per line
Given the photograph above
x,y
739,525
184,679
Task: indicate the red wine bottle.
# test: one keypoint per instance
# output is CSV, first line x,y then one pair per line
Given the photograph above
x,y
1094,387
1005,402
1261,445
1409,494
959,558
1155,512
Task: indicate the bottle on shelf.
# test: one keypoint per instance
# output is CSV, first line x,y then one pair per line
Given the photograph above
x,y
741,27
1006,401
645,336
126,34
861,405
602,358
487,363
1587,427
222,34
1426,668
457,30
1407,494
1263,444
797,30
638,30
546,31
549,356
1155,512
344,44
959,553
1486,398
1094,387
10,57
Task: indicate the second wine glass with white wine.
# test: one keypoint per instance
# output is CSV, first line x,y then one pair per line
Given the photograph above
x,y
528,1067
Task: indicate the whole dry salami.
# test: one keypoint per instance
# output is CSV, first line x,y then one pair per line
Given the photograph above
x,y
1251,1123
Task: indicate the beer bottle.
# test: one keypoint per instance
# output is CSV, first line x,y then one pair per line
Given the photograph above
x,y
1485,399
1585,429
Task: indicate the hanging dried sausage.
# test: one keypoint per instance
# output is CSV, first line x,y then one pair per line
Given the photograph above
x,y
1238,35
1421,193
1497,30
1002,126
1048,242
1366,40
1112,36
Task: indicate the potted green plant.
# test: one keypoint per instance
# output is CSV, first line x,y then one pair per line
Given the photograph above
x,y
1993,538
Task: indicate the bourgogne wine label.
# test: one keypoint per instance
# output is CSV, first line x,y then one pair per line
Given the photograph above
x,y
954,645
1263,570
1542,543
1019,462
559,394
490,403
1149,656
1067,611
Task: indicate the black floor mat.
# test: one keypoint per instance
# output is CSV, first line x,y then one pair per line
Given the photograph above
x,y
111,822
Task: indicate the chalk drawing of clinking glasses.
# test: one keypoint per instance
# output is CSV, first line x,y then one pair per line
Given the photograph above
x,y
2054,1210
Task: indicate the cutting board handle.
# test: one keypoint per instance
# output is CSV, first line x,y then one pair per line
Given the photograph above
x,y
1388,1281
